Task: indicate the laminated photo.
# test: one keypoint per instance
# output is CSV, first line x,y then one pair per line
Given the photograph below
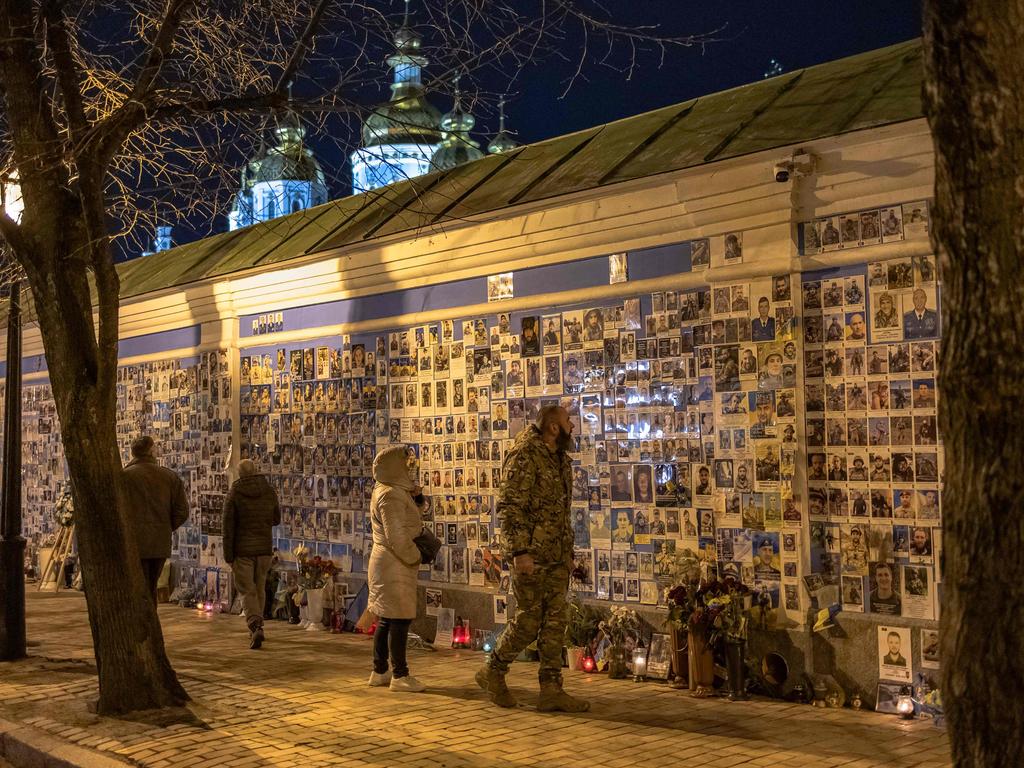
x,y
894,662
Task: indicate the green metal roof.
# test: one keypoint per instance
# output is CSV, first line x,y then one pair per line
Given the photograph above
x,y
865,91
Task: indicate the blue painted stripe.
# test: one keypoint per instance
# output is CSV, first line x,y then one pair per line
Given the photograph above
x,y
585,273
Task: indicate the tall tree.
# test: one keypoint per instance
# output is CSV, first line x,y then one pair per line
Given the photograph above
x,y
974,66
99,95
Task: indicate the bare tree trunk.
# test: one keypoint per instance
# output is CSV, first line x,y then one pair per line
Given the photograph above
x,y
134,672
974,95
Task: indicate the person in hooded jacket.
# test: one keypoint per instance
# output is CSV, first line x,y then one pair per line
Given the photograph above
x,y
251,510
394,563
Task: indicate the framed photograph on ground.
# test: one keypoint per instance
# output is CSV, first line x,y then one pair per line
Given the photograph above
x,y
445,627
887,697
659,657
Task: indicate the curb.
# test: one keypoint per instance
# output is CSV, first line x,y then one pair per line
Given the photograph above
x,y
25,747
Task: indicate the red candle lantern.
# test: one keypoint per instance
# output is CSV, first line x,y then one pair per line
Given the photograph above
x,y
460,633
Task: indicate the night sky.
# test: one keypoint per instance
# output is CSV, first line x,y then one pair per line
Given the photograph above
x,y
797,33
747,34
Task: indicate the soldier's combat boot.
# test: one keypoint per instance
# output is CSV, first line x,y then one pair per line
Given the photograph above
x,y
553,698
493,681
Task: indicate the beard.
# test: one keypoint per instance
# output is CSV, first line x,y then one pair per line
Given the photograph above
x,y
564,440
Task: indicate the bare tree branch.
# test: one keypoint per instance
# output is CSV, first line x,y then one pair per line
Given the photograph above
x,y
69,74
301,48
115,129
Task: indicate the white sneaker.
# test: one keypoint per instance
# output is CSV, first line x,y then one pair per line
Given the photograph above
x,y
408,684
379,679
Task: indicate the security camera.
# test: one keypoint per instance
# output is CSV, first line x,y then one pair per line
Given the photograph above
x,y
801,163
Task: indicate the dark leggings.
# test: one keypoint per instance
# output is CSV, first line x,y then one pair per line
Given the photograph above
x,y
391,635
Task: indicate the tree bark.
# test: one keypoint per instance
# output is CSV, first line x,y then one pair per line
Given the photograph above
x,y
974,98
134,672
61,241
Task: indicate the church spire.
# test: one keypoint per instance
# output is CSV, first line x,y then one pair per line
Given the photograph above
x,y
503,141
408,118
400,136
456,145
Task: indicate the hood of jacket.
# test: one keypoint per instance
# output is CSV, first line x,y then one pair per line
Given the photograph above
x,y
390,468
252,486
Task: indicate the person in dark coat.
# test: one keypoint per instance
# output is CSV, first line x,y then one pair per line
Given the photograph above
x,y
251,510
157,506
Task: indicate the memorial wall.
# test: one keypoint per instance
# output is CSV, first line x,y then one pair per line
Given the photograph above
x,y
784,426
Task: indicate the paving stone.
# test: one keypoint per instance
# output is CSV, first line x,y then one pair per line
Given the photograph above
x,y
302,701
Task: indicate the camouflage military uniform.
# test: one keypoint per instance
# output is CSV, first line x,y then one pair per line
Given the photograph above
x,y
533,505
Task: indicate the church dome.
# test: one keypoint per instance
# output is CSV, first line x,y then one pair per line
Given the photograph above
x,y
290,160
503,141
408,118
456,145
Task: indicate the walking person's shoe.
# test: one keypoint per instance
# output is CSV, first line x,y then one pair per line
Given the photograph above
x,y
407,684
379,679
493,681
553,698
256,638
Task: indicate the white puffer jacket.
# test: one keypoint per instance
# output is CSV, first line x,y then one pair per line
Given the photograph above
x,y
395,520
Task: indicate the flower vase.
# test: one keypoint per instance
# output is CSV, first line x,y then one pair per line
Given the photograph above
x,y
574,656
701,664
737,669
679,658
315,610
617,669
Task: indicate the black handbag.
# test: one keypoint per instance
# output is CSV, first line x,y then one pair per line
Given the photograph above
x,y
428,544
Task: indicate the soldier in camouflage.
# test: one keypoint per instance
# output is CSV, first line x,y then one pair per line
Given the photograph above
x,y
537,536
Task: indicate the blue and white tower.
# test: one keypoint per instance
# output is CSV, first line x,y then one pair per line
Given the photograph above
x,y
283,179
399,137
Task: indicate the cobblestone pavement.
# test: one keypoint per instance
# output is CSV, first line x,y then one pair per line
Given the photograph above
x,y
302,701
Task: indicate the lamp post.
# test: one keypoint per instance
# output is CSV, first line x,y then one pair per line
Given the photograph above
x,y
12,545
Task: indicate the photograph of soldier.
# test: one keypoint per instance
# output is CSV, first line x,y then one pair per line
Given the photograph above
x,y
919,321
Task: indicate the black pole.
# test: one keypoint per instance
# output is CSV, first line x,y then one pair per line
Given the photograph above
x,y
12,544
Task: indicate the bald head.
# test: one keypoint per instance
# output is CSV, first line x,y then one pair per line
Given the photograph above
x,y
554,427
549,415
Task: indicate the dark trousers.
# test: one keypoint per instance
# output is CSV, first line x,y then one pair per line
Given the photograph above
x,y
152,567
391,635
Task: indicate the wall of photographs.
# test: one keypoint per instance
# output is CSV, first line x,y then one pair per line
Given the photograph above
x,y
44,472
785,424
680,401
186,405
874,455
309,419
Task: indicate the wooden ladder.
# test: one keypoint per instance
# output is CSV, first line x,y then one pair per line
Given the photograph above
x,y
51,576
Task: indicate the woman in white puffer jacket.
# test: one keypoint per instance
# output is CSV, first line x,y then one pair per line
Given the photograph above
x,y
394,564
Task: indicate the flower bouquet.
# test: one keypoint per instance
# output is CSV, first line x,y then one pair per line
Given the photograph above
x,y
722,611
621,626
64,510
719,620
314,574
